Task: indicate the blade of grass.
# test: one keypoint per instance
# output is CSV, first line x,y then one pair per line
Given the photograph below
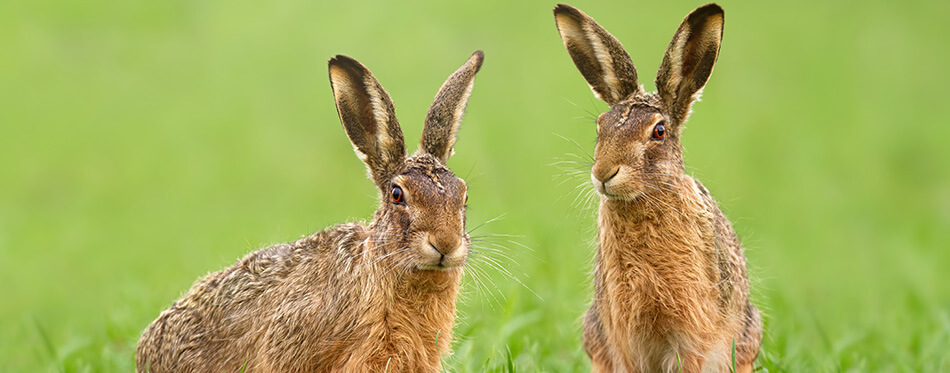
x,y
733,368
511,364
47,343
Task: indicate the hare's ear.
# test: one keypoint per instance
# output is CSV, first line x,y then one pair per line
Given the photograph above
x,y
689,60
598,55
368,117
445,114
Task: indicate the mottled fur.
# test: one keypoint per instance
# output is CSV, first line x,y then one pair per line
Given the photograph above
x,y
354,297
670,284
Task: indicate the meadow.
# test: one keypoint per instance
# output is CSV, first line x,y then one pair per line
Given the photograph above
x,y
146,144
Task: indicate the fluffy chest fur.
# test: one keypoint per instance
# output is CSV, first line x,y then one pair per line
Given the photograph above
x,y
656,275
390,316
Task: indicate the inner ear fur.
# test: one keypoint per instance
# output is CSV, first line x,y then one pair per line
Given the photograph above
x,y
598,55
368,117
689,59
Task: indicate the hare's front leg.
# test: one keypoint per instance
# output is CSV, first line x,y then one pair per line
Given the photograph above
x,y
595,342
750,342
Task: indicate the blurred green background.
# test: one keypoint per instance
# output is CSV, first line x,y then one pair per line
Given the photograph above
x,y
146,144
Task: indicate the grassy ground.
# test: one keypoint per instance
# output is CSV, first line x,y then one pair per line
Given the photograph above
x,y
145,144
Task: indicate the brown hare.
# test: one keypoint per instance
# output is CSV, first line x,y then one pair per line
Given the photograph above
x,y
354,297
671,291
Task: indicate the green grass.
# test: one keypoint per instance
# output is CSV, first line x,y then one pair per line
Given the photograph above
x,y
146,144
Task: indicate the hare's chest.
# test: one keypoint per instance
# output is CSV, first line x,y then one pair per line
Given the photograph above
x,y
661,293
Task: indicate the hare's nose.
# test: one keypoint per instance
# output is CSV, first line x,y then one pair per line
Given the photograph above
x,y
603,173
444,244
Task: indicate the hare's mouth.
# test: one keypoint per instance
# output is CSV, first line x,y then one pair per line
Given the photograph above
x,y
617,191
431,259
626,194
433,268
627,197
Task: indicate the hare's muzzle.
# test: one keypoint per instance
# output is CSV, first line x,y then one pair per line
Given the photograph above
x,y
604,172
601,174
442,251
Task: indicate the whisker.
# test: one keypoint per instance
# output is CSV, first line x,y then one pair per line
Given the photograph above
x,y
391,254
589,156
494,252
489,280
591,116
499,217
494,263
579,189
500,235
469,173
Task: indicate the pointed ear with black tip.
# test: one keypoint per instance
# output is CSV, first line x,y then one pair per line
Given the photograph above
x,y
369,119
689,60
598,55
445,114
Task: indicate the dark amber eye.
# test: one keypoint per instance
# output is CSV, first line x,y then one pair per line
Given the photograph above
x,y
659,131
397,195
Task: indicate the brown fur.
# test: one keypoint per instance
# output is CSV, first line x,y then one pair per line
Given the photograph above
x,y
670,284
354,298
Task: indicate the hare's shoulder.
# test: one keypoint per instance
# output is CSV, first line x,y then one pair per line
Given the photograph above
x,y
730,256
318,249
701,190
722,226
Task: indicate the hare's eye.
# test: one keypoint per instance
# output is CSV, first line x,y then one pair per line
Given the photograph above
x,y
397,195
659,131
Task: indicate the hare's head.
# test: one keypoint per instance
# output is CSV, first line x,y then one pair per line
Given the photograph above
x,y
421,220
638,139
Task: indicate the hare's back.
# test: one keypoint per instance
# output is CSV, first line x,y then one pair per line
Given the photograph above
x,y
213,322
226,314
